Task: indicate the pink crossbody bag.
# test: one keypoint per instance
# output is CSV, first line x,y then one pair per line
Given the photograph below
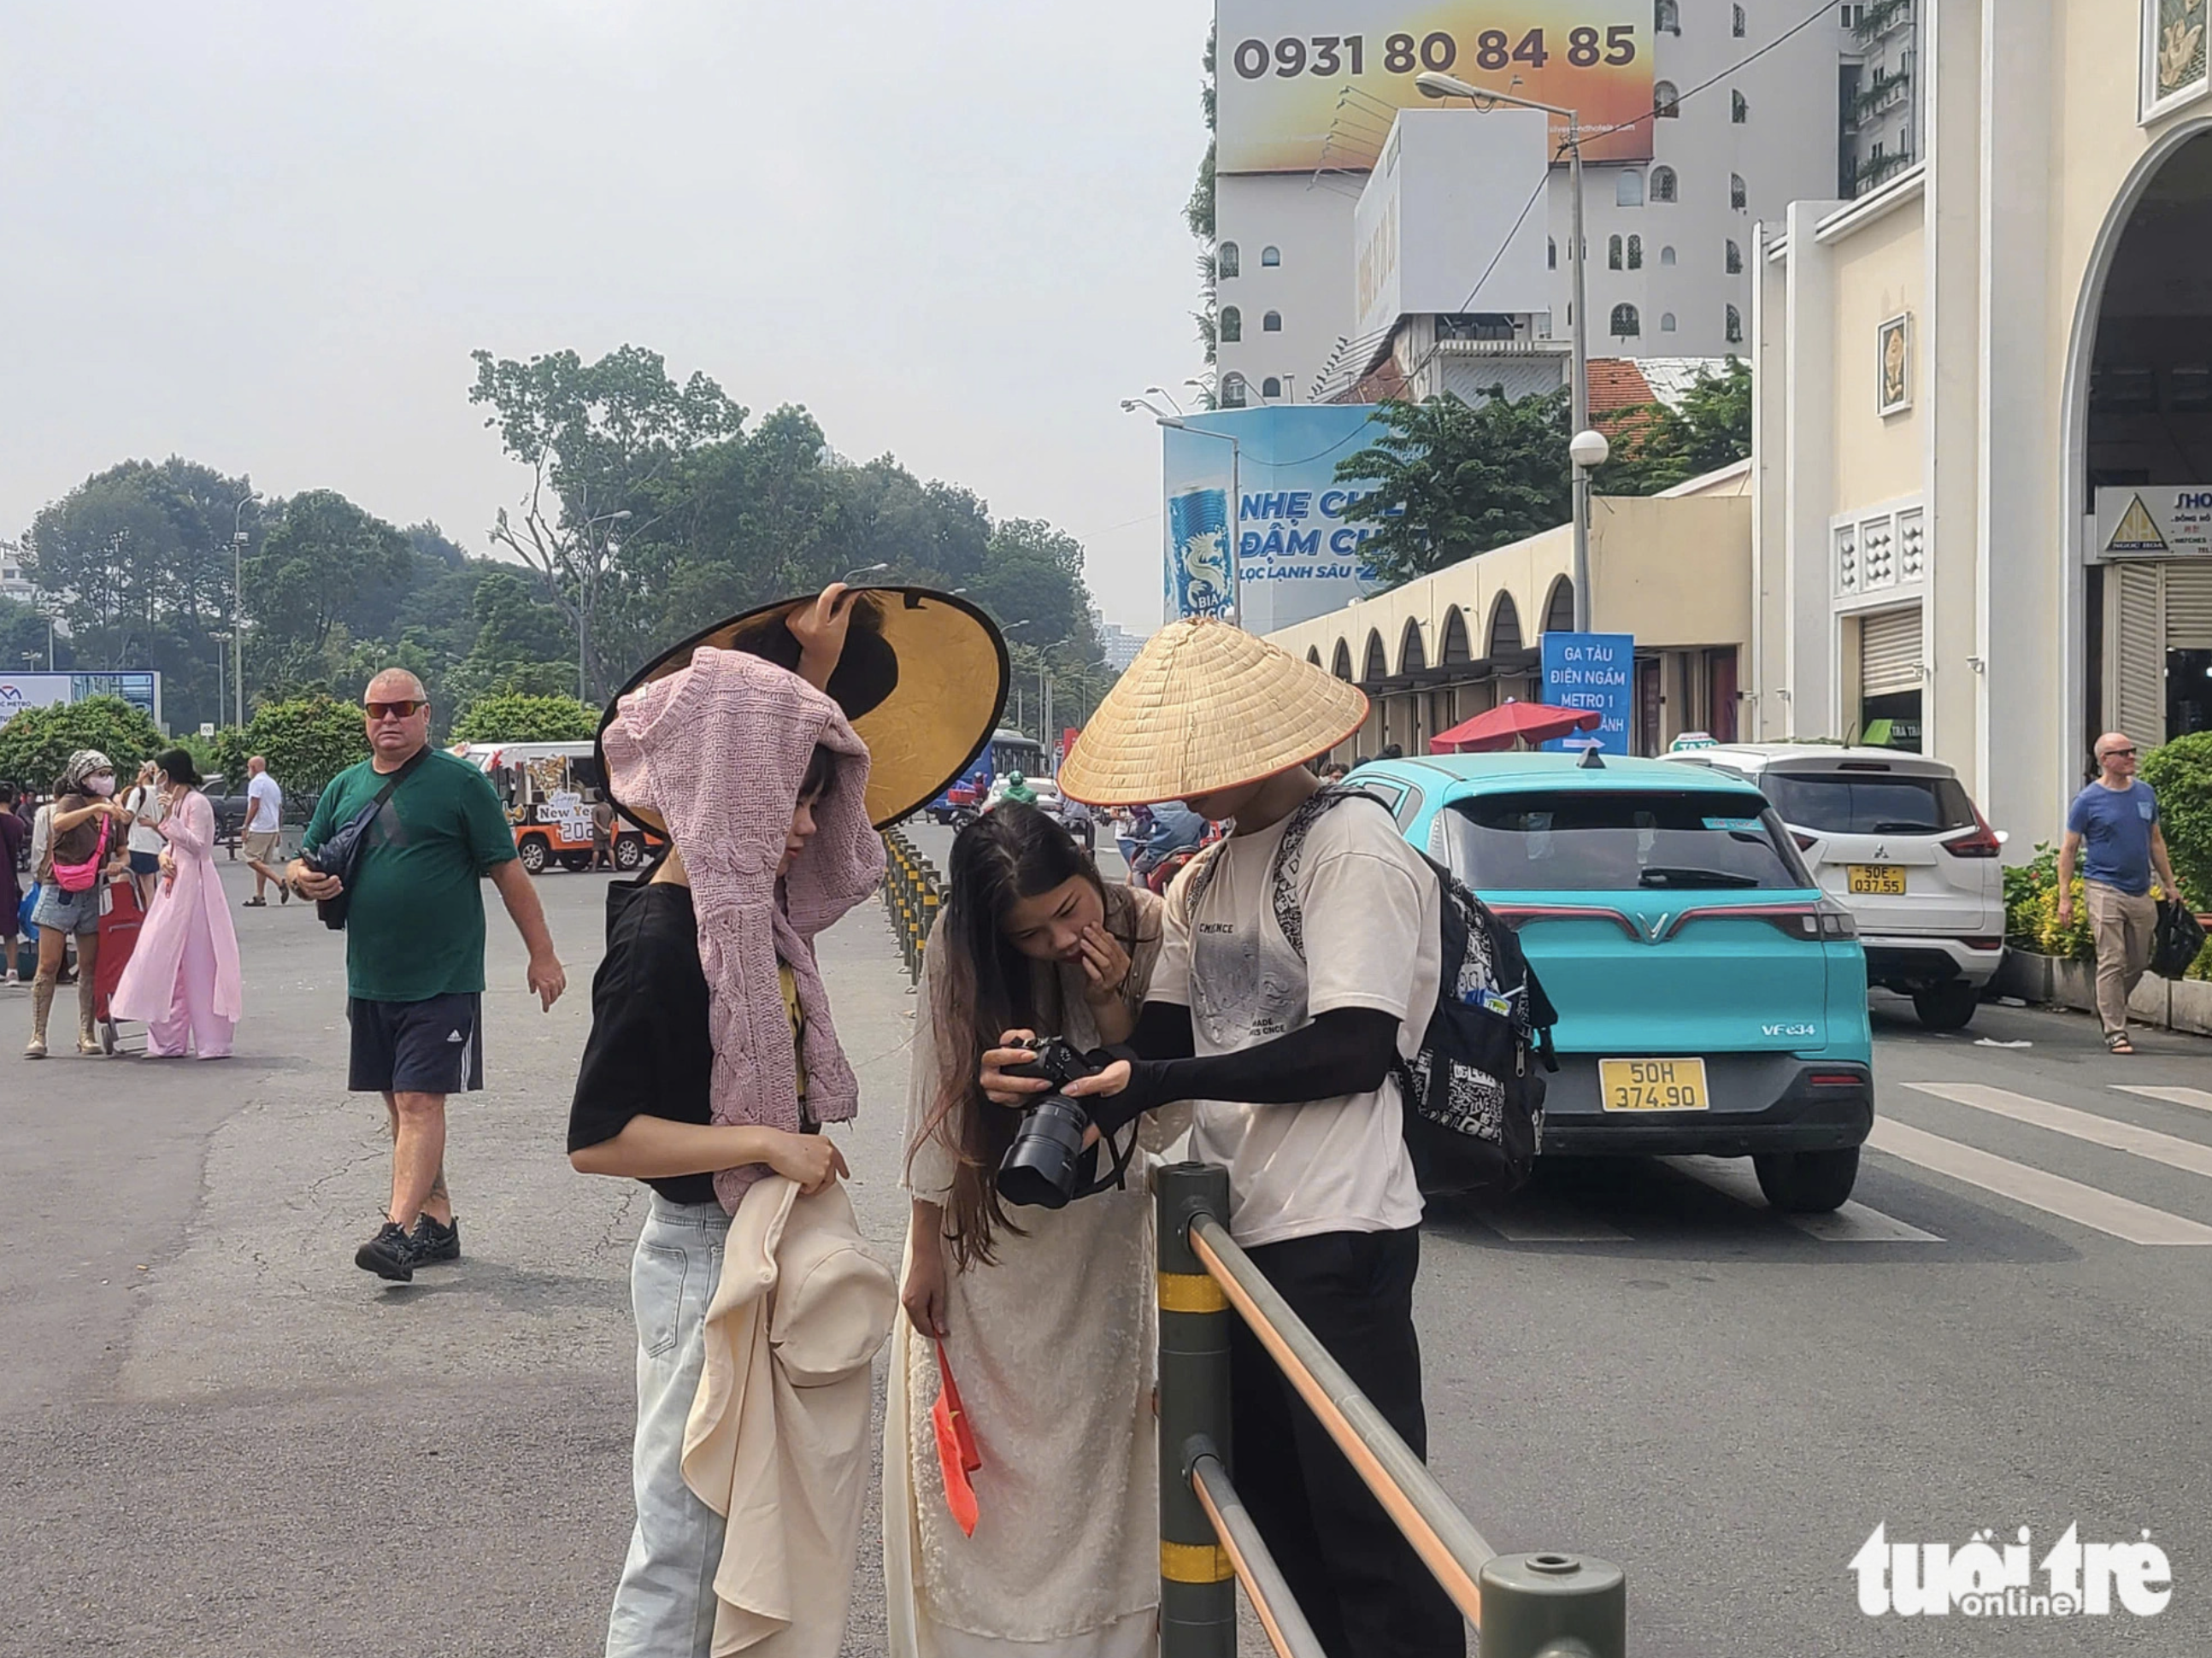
x,y
79,878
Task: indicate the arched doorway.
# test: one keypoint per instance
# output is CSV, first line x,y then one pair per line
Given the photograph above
x,y
1559,607
2139,383
1341,667
1504,629
1376,668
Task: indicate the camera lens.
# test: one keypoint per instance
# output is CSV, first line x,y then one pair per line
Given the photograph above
x,y
1041,1166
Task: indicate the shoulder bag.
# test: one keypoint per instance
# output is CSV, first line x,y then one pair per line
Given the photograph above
x,y
342,854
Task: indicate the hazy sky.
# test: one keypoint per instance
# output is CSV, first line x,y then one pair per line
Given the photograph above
x,y
267,235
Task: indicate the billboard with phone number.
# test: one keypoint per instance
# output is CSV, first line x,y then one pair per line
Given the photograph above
x,y
1300,82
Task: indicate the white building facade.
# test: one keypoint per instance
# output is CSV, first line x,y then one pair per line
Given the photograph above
x,y
1669,239
1983,472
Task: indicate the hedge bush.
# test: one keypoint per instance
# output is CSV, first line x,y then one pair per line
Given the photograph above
x,y
2181,772
2031,913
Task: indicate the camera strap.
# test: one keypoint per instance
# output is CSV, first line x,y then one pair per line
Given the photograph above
x,y
1118,1178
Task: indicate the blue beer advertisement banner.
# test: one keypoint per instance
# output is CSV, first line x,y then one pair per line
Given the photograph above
x,y
1297,553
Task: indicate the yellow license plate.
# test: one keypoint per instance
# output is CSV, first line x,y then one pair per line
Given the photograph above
x,y
1882,880
1653,1084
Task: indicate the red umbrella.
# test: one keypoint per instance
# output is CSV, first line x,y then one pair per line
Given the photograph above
x,y
1534,722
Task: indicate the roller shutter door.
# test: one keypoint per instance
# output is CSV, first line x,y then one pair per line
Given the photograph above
x,y
2136,650
2188,606
1889,652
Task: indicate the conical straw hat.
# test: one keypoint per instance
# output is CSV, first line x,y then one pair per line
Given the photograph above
x,y
1207,706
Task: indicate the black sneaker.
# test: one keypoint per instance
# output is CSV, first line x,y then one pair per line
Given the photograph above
x,y
391,1254
434,1243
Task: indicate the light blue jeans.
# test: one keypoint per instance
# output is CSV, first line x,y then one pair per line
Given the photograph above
x,y
665,1603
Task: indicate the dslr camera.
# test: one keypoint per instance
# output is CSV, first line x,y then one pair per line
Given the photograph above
x,y
1047,1162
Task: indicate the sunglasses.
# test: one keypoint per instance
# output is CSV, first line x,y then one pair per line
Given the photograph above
x,y
406,709
2119,754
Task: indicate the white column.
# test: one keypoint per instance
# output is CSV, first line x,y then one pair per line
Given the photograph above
x,y
1809,668
2020,551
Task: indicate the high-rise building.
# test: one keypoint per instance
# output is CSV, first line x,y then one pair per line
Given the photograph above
x,y
1120,645
1881,104
14,584
1709,132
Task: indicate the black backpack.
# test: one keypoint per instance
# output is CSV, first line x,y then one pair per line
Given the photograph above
x,y
1473,1095
2176,939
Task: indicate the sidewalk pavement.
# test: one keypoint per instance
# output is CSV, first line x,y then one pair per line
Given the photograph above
x,y
218,1435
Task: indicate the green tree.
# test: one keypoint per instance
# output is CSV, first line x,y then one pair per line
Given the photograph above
x,y
1655,447
36,743
307,741
137,559
1034,572
325,560
2181,772
1447,480
1198,213
601,440
510,717
23,641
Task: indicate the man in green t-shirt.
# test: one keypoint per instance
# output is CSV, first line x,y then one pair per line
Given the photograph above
x,y
415,945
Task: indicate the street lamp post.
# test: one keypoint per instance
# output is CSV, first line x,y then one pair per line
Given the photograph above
x,y
238,608
866,569
1436,85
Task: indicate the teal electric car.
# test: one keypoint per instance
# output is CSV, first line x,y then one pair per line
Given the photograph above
x,y
1711,1000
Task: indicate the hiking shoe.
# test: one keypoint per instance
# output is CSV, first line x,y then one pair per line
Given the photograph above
x,y
391,1254
434,1243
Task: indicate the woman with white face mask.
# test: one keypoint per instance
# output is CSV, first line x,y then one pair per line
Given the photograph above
x,y
88,827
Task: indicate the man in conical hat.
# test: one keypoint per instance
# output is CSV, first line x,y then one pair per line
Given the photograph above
x,y
1287,986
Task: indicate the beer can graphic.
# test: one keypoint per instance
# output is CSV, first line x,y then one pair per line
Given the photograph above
x,y
1198,562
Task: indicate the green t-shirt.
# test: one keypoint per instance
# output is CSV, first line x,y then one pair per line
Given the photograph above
x,y
416,928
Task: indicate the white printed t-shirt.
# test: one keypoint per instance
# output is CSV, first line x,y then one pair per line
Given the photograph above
x,y
1373,931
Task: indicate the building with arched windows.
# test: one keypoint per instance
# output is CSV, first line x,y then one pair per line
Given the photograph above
x,y
1983,477
1704,170
1674,570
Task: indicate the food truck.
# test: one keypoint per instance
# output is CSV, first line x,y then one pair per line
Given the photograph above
x,y
549,790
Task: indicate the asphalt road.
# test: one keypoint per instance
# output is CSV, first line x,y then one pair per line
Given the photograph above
x,y
218,1436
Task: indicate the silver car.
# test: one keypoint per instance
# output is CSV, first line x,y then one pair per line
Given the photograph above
x,y
1895,837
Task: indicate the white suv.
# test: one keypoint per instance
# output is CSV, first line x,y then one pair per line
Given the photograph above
x,y
1894,837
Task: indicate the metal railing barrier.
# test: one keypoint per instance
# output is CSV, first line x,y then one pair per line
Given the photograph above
x,y
913,892
1524,1606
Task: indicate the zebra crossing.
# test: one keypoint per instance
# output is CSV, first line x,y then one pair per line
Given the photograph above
x,y
1930,1160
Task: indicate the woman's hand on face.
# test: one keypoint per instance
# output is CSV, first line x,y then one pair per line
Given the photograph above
x,y
813,1161
1105,964
1000,1088
922,1294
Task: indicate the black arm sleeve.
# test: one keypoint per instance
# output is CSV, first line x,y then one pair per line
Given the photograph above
x,y
1163,1032
1347,1050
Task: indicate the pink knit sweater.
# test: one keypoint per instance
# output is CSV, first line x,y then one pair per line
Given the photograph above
x,y
719,749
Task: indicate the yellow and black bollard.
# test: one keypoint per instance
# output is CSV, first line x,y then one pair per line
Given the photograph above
x,y
1198,1590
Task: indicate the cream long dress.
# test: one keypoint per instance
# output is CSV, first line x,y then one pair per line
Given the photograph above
x,y
1053,1347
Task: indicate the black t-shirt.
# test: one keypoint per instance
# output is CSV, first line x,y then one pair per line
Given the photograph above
x,y
649,1053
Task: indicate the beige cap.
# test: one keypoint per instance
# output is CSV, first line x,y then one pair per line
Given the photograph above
x,y
1207,706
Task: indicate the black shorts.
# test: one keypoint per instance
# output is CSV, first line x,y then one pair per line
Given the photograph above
x,y
145,863
434,1047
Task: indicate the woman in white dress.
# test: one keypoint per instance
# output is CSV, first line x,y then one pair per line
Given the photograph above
x,y
1047,1316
